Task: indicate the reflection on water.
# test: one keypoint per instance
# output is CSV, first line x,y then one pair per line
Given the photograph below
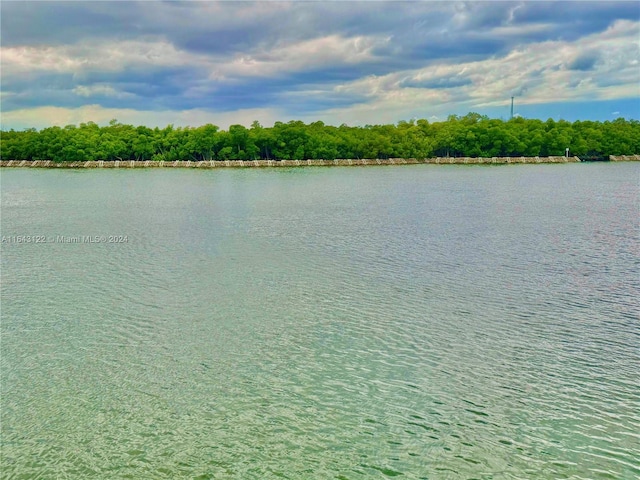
x,y
428,321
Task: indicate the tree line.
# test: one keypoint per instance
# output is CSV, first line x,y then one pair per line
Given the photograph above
x,y
472,135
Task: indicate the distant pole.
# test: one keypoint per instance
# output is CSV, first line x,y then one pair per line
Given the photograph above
x,y
511,107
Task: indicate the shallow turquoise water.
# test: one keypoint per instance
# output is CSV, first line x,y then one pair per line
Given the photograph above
x,y
440,322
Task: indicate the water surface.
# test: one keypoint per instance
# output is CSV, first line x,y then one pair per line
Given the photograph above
x,y
440,322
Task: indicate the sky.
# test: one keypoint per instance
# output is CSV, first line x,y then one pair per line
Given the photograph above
x,y
369,62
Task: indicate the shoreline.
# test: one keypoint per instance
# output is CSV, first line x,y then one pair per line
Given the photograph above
x,y
212,164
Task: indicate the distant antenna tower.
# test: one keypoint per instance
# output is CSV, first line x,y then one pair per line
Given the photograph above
x,y
511,107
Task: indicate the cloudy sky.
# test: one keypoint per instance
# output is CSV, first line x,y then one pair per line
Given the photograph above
x,y
190,63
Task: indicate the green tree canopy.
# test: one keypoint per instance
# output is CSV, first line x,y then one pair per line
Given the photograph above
x,y
472,135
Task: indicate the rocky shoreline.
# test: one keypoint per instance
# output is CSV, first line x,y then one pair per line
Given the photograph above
x,y
300,163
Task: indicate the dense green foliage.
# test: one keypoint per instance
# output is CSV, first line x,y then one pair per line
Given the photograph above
x,y
472,136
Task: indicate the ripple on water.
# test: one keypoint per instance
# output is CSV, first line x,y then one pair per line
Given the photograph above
x,y
340,323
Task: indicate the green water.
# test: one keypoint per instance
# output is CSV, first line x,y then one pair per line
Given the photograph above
x,y
440,322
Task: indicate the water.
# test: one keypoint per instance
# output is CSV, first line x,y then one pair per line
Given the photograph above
x,y
440,322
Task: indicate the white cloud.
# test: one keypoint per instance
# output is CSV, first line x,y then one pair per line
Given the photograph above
x,y
42,117
100,90
518,30
536,73
117,56
98,57
319,52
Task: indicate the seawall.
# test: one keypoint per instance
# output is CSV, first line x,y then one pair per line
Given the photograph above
x,y
624,158
297,163
302,163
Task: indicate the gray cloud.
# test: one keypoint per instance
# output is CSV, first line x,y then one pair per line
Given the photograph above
x,y
241,55
584,62
439,82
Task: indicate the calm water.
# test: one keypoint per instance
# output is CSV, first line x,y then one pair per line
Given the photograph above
x,y
440,322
